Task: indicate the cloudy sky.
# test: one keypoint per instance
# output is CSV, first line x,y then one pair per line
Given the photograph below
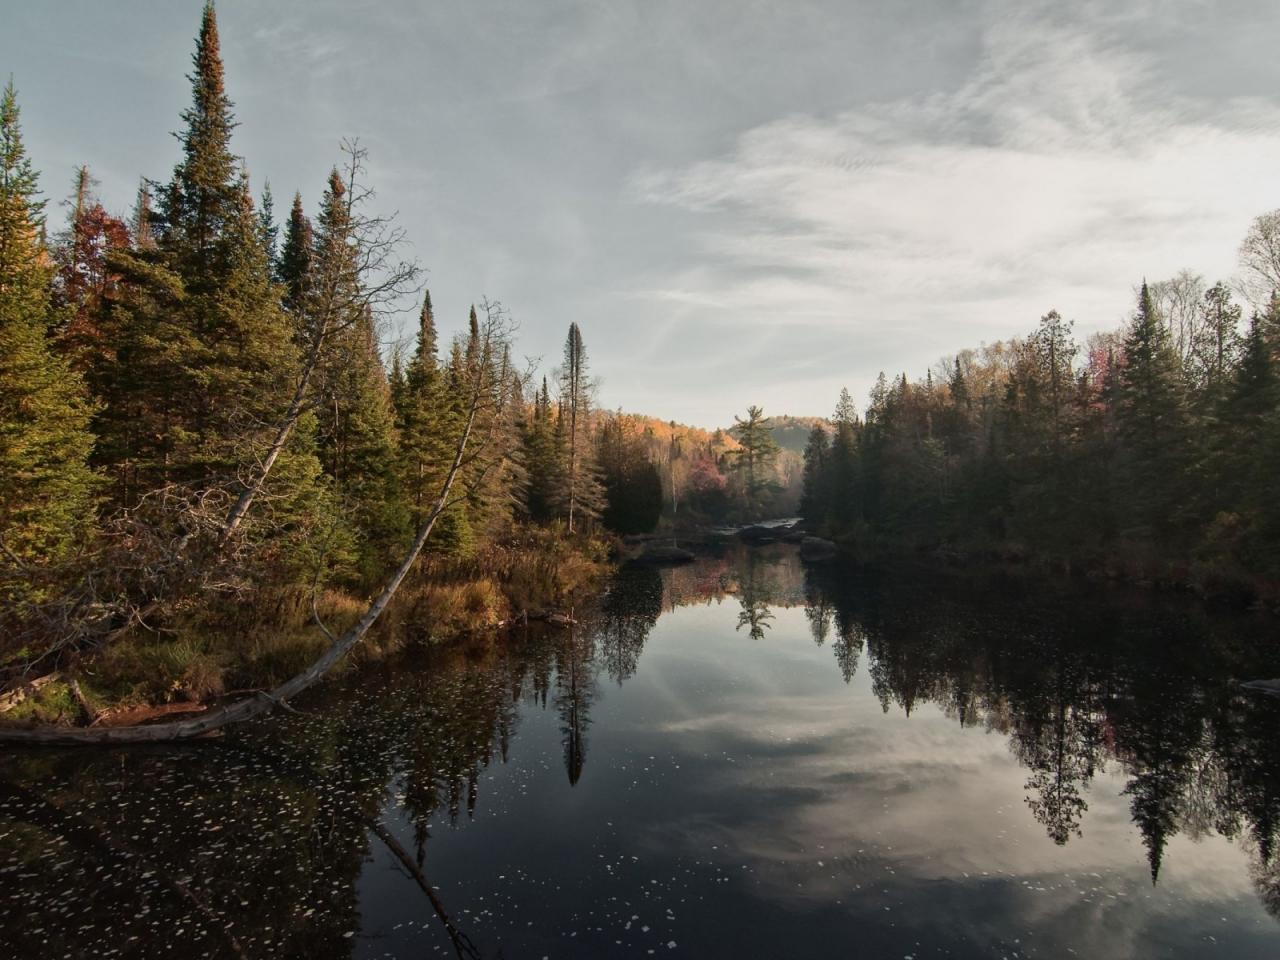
x,y
739,201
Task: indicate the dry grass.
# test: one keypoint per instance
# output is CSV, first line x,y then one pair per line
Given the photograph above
x,y
203,653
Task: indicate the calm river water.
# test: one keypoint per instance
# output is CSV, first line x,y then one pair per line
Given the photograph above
x,y
744,757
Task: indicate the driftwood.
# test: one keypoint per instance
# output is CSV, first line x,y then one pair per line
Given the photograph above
x,y
13,697
1263,686
251,707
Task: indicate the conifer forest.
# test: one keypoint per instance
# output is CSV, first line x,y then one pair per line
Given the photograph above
x,y
337,622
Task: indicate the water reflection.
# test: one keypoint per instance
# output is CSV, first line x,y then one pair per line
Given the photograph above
x,y
488,777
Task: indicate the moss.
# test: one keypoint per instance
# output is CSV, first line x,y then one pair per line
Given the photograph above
x,y
52,703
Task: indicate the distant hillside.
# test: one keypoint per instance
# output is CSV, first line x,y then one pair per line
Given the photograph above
x,y
790,433
688,437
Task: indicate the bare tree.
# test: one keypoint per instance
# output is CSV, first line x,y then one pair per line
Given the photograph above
x,y
477,451
1179,301
1260,260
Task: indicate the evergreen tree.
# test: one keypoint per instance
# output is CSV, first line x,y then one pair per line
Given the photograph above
x,y
293,269
203,197
632,484
815,498
206,355
582,495
543,458
46,487
755,458
1153,422
352,396
1217,346
425,428
846,411
269,231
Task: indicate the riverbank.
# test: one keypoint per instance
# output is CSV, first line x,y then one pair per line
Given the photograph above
x,y
206,654
1215,583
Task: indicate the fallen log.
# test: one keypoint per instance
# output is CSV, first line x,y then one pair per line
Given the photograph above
x,y
255,706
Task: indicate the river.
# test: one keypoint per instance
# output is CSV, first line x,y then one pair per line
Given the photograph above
x,y
742,757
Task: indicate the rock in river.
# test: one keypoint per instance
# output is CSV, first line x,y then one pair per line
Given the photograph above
x,y
815,548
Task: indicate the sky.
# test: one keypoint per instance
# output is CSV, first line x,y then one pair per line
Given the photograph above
x,y
738,201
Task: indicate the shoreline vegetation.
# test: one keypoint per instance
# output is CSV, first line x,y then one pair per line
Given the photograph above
x,y
221,477
1147,455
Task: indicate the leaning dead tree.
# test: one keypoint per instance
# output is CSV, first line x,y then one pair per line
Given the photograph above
x,y
355,270
477,452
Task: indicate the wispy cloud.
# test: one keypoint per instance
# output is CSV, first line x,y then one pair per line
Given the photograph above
x,y
1057,175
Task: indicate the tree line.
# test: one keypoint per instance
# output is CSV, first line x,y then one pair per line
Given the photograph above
x,y
1149,452
196,408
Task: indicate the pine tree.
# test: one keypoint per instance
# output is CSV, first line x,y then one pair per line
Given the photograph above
x,y
269,231
1217,346
293,268
203,197
755,458
46,487
846,411
206,356
352,396
815,497
423,423
543,459
583,496
1153,422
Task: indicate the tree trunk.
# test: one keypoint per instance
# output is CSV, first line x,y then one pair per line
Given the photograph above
x,y
254,706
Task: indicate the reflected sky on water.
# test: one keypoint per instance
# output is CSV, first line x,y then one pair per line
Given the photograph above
x,y
741,757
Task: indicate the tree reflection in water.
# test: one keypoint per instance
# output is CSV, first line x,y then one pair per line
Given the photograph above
x,y
1077,685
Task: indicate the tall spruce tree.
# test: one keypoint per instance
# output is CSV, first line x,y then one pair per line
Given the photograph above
x,y
203,197
207,357
293,268
46,487
423,423
267,226
543,458
583,496
353,398
1153,424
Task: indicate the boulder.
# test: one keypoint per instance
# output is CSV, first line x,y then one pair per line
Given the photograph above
x,y
758,534
815,548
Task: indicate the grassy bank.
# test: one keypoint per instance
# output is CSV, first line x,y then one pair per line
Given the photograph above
x,y
218,649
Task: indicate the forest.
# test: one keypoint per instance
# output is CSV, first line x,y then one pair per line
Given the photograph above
x,y
1146,454
219,469
212,459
